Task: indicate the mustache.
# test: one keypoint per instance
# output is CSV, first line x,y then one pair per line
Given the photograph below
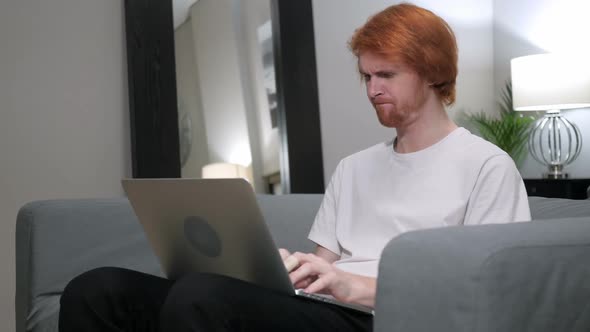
x,y
381,100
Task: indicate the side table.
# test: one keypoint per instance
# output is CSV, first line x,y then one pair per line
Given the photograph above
x,y
558,188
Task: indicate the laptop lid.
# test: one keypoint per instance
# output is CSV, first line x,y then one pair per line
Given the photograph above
x,y
208,225
212,226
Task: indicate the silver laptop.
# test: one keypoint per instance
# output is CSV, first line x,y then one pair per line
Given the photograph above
x,y
212,226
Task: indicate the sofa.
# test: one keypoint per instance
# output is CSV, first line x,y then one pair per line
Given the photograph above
x,y
532,276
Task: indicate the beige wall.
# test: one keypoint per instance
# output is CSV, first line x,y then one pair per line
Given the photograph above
x,y
254,14
235,69
222,94
224,38
189,101
63,111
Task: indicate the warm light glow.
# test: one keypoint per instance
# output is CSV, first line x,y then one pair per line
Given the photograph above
x,y
226,171
550,81
241,154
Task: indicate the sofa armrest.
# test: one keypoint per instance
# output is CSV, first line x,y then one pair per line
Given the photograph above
x,y
58,239
532,276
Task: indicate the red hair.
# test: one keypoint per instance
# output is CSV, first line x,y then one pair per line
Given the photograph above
x,y
418,38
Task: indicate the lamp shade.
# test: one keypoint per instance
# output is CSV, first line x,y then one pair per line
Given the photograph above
x,y
550,82
225,171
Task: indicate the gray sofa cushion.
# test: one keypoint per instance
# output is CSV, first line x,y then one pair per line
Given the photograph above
x,y
290,217
58,239
552,208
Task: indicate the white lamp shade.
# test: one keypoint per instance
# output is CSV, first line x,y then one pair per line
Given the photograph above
x,y
550,82
225,171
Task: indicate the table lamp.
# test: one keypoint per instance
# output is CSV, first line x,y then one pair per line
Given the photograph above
x,y
551,83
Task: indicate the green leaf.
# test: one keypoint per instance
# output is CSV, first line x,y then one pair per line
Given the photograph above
x,y
509,132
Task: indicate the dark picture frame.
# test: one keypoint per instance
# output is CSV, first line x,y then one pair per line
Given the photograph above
x,y
153,100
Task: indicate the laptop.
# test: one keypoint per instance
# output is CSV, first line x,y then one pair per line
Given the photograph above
x,y
212,226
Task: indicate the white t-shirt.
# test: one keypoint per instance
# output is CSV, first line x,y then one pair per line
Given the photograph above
x,y
377,194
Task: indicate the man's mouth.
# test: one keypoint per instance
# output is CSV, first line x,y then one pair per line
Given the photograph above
x,y
382,103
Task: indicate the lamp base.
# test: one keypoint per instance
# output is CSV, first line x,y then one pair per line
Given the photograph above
x,y
555,172
555,142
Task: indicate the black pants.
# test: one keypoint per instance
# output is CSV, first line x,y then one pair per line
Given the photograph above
x,y
115,299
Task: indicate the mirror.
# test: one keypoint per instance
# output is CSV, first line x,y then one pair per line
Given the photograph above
x,y
226,90
202,92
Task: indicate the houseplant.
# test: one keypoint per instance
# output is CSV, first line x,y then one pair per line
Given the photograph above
x,y
509,130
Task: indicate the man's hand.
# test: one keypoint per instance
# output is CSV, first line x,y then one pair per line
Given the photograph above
x,y
290,261
316,275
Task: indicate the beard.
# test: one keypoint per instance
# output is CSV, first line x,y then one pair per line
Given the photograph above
x,y
398,113
392,116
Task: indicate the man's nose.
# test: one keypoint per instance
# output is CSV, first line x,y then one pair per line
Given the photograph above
x,y
374,88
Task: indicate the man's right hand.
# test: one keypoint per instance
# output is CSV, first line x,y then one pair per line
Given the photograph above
x,y
291,262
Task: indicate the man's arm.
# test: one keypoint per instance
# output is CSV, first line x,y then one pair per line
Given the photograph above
x,y
326,254
499,195
316,274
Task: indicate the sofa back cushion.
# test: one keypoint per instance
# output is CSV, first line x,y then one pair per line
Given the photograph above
x,y
555,208
289,218
58,239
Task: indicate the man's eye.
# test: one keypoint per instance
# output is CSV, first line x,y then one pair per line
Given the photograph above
x,y
366,77
387,75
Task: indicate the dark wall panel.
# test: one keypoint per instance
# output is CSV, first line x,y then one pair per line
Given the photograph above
x,y
152,89
297,92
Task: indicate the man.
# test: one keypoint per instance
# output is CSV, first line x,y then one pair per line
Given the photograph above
x,y
433,174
